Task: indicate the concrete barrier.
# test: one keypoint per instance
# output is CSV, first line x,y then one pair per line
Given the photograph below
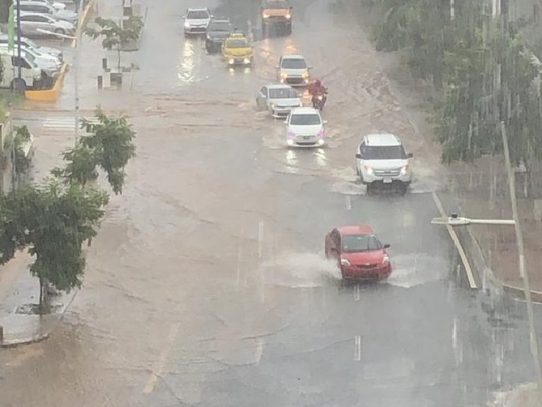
x,y
48,95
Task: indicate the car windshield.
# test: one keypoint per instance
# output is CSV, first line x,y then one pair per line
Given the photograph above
x,y
282,93
197,14
240,43
383,152
305,119
220,26
294,63
360,243
276,4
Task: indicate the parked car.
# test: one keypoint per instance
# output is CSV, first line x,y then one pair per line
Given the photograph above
x,y
217,32
381,159
32,23
31,75
45,8
27,42
358,252
293,70
305,128
57,5
278,99
47,63
197,20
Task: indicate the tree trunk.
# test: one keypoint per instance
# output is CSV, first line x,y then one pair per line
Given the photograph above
x,y
44,296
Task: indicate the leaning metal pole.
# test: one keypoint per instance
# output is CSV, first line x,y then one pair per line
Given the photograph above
x,y
522,265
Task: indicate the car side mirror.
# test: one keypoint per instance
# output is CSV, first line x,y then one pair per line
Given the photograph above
x,y
325,122
358,155
410,155
386,246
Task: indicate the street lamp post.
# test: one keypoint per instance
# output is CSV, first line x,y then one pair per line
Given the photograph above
x,y
455,220
76,70
19,67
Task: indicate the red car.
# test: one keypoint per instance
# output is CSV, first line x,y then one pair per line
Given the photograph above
x,y
359,253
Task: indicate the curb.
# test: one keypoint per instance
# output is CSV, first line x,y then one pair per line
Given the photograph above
x,y
59,316
48,95
517,292
25,341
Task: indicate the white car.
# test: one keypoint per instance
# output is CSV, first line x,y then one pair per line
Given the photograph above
x,y
58,6
278,99
305,128
381,159
197,20
32,24
47,63
47,9
26,42
293,70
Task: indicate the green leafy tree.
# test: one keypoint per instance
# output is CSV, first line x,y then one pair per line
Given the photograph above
x,y
52,222
115,35
108,145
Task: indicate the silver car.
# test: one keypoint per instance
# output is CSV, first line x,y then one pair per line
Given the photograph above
x,y
33,24
293,70
47,9
278,99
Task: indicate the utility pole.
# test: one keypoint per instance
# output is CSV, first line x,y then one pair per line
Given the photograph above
x,y
522,265
19,39
76,71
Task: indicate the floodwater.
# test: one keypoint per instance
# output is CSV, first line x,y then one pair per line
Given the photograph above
x,y
207,285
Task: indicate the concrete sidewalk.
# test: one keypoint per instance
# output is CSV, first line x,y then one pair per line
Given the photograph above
x,y
19,289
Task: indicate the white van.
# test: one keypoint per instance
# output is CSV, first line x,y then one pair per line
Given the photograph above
x,y
31,75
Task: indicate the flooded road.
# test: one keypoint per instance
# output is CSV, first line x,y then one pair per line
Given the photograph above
x,y
207,285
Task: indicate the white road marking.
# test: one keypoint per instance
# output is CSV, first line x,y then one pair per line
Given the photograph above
x,y
457,243
259,349
357,348
160,364
260,239
357,293
239,257
348,202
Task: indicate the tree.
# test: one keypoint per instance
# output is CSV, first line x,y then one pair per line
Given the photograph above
x,y
115,36
108,145
51,221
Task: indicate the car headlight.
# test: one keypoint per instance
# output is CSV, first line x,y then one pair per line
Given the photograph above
x,y
246,60
186,24
265,15
290,142
272,105
404,170
231,61
345,262
385,259
305,75
369,170
283,75
288,16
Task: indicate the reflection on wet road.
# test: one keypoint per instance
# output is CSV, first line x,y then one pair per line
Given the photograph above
x,y
207,284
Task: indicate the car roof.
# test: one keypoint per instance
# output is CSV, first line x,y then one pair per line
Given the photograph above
x,y
293,57
198,9
304,110
220,20
278,86
382,139
356,230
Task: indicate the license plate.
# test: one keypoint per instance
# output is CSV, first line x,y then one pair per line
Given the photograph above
x,y
307,137
387,180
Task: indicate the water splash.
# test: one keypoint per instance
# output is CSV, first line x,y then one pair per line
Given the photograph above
x,y
300,270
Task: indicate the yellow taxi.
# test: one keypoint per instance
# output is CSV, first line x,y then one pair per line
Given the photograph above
x,y
237,50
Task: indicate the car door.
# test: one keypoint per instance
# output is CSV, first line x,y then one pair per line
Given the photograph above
x,y
29,24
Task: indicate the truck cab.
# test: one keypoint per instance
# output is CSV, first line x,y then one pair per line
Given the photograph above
x,y
276,17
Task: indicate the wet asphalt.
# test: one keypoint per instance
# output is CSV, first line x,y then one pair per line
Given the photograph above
x,y
207,285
